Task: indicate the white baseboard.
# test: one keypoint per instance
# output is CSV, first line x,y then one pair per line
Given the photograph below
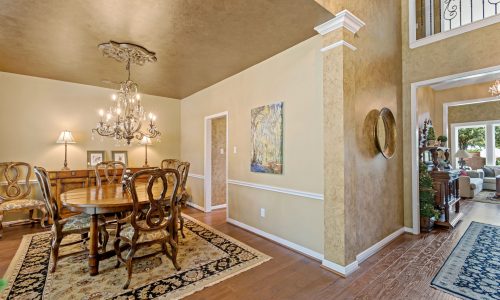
x,y
410,230
195,206
301,249
219,206
341,270
376,248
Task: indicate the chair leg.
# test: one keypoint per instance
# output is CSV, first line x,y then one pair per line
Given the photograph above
x,y
55,252
105,237
181,219
31,217
44,216
1,220
130,260
173,244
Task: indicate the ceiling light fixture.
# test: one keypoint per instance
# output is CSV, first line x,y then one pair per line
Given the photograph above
x,y
123,119
495,89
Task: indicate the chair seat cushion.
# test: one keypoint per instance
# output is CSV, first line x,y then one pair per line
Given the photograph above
x,y
490,180
144,236
21,204
80,222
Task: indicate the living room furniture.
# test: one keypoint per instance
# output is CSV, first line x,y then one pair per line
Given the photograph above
x,y
446,185
160,223
497,195
471,184
490,178
15,194
62,227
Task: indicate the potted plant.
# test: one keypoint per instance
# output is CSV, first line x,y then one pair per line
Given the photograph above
x,y
431,137
442,140
428,211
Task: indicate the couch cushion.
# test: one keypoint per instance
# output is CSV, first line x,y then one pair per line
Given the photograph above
x,y
488,171
490,180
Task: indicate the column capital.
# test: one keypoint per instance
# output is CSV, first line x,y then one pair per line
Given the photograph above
x,y
344,19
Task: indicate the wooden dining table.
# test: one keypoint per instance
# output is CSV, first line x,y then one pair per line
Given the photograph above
x,y
96,201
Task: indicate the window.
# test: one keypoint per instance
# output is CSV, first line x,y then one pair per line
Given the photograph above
x,y
480,139
497,144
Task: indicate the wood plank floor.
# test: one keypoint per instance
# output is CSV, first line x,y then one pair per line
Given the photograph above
x,y
401,270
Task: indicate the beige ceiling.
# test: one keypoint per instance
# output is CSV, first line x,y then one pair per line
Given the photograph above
x,y
197,42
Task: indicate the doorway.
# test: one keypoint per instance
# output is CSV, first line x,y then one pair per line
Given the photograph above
x,y
216,161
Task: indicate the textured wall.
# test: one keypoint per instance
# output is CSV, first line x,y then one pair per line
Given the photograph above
x,y
426,106
488,111
219,161
38,109
466,52
294,77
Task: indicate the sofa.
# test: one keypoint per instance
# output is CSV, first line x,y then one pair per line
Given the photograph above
x,y
489,180
470,185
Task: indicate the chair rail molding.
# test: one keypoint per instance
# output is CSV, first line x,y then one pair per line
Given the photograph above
x,y
277,189
198,176
344,19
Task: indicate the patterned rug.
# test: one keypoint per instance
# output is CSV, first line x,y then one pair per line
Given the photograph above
x,y
472,271
486,197
206,257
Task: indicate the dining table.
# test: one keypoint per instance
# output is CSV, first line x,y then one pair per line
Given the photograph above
x,y
100,200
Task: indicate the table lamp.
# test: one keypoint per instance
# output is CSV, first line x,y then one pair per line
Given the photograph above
x,y
146,141
462,154
66,137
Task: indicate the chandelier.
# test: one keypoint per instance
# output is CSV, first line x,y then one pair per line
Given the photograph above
x,y
123,120
495,89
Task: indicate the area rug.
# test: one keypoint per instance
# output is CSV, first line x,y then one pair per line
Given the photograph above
x,y
486,197
206,257
472,271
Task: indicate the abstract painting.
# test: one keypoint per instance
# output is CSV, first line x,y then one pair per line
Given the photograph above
x,y
267,139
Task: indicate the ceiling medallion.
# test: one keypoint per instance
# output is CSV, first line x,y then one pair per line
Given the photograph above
x,y
495,89
123,119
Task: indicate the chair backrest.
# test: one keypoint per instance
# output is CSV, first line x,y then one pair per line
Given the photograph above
x,y
10,173
183,169
170,163
111,169
159,215
50,203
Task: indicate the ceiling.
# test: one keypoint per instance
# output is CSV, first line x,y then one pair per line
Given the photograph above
x,y
197,42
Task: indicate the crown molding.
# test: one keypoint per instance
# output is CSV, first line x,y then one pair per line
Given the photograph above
x,y
344,19
338,44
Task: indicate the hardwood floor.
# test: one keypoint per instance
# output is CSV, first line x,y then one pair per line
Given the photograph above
x,y
401,270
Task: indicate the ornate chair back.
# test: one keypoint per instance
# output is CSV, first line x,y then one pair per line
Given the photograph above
x,y
43,179
170,163
111,169
183,169
157,215
11,173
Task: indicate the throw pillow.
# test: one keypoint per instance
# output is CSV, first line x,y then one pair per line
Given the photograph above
x,y
463,173
488,172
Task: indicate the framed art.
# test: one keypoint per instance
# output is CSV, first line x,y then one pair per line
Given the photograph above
x,y
121,156
94,157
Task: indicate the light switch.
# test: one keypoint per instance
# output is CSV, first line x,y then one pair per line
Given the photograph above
x,y
221,150
235,150
263,212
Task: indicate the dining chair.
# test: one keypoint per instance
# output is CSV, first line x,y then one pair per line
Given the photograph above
x,y
170,163
16,196
160,223
111,170
62,227
183,169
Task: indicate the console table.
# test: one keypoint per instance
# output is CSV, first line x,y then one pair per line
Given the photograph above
x,y
447,196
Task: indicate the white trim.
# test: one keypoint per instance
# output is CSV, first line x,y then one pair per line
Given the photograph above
x,y
344,19
381,244
277,189
410,230
208,159
197,176
414,133
220,206
195,206
31,181
414,43
277,239
338,44
336,268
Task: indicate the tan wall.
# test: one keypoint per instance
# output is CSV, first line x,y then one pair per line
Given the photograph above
x,y
33,111
218,161
425,105
488,111
294,77
466,52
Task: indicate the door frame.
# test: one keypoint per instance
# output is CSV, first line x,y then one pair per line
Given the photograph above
x,y
208,160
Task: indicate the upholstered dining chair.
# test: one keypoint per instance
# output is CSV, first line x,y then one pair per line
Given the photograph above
x,y
170,163
183,169
111,170
160,223
16,195
78,224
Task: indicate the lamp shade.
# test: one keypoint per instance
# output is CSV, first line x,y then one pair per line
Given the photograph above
x,y
66,137
145,141
462,154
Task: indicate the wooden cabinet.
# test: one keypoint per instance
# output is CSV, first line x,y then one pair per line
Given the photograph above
x,y
447,196
63,181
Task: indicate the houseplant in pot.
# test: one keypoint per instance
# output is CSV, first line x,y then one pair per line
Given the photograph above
x,y
431,137
442,140
428,211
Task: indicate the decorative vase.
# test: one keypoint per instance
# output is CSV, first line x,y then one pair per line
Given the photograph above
x,y
426,224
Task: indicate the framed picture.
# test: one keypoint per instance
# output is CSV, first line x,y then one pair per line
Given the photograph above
x,y
94,157
120,156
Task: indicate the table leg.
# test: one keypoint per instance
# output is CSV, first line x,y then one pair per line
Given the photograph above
x,y
94,246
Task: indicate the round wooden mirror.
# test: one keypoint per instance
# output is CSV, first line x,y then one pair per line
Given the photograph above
x,y
385,133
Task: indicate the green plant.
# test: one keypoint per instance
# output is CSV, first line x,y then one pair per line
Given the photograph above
x,y
442,139
471,137
431,136
426,194
3,284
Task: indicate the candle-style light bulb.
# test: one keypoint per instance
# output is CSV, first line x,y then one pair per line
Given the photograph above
x,y
113,97
101,112
150,116
138,97
154,118
118,111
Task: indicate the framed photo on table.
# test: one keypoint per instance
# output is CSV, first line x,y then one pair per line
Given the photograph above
x,y
94,157
121,156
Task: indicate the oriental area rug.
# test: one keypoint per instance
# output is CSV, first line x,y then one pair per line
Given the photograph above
x,y
486,197
206,257
472,269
